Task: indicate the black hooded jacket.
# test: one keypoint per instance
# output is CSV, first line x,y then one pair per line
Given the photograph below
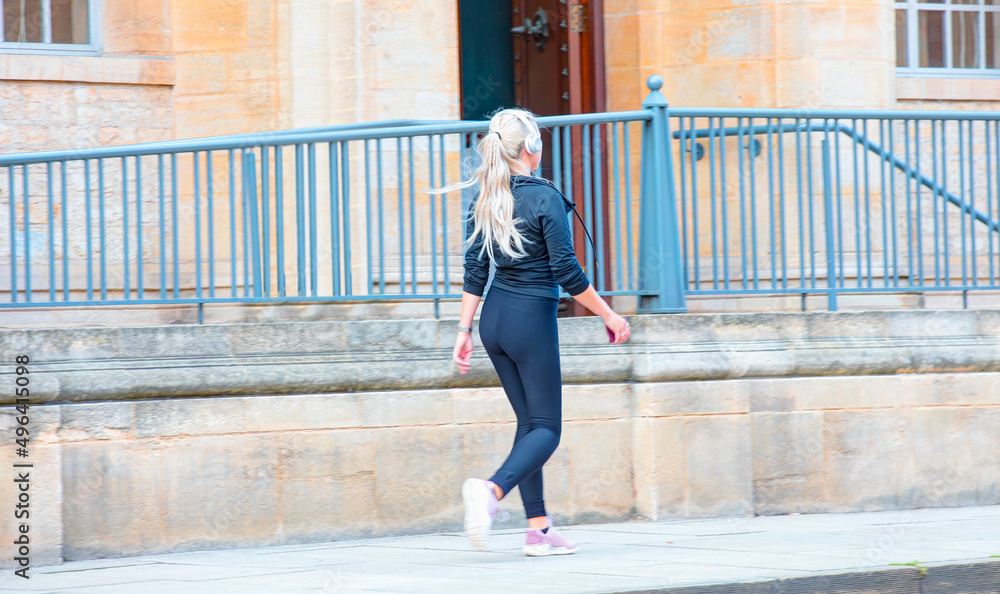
x,y
545,228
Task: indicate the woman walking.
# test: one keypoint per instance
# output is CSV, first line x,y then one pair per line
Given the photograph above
x,y
519,222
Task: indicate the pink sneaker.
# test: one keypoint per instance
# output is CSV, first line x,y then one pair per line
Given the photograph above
x,y
539,544
480,506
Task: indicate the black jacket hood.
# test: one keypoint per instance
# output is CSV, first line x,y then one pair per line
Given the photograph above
x,y
520,180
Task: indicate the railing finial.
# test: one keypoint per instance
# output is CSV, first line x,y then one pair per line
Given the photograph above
x,y
655,97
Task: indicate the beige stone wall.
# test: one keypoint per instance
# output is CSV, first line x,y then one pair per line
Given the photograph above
x,y
226,57
232,67
187,69
59,103
626,52
761,54
180,69
119,97
947,94
65,115
348,61
54,102
172,475
803,55
176,437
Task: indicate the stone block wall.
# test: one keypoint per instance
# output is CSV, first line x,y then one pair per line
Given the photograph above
x,y
190,69
804,56
758,54
229,471
254,434
179,70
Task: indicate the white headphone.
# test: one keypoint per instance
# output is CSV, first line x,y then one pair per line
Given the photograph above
x,y
532,141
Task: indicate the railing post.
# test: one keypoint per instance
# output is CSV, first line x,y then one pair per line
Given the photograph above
x,y
660,264
831,260
250,200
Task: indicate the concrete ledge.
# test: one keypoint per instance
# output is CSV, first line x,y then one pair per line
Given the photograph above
x,y
135,362
170,438
929,88
132,314
141,70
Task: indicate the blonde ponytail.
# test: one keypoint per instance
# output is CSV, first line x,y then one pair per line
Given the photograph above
x,y
499,150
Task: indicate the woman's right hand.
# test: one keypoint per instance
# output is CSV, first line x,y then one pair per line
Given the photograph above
x,y
592,300
619,326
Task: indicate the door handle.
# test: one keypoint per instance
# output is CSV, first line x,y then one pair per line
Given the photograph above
x,y
537,28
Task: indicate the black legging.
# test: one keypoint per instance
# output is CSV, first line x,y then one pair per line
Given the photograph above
x,y
520,334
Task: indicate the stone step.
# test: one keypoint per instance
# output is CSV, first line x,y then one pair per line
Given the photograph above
x,y
216,313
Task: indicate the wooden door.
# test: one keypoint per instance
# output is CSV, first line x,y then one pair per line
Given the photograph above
x,y
559,69
541,62
556,59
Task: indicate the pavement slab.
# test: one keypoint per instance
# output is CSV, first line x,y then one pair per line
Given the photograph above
x,y
867,552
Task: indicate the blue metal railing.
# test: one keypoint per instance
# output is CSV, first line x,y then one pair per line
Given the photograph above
x,y
318,214
724,202
836,201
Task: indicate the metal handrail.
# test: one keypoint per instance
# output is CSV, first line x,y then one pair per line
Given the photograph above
x,y
831,114
248,182
858,138
339,133
362,180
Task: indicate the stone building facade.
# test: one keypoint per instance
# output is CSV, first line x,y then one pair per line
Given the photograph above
x,y
150,70
164,69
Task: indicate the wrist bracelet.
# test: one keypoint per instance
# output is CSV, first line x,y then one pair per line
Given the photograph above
x,y
465,329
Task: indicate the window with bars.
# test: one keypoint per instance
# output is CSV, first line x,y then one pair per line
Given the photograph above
x,y
33,26
953,37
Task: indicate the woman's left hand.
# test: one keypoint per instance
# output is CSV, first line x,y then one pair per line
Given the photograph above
x,y
463,351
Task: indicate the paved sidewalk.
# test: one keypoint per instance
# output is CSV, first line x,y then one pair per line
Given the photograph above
x,y
622,557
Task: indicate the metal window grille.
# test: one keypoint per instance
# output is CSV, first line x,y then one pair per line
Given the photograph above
x,y
49,26
948,37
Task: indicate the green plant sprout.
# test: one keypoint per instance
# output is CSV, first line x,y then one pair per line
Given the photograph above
x,y
917,564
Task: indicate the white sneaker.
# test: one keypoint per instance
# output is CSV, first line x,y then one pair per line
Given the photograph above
x,y
481,505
